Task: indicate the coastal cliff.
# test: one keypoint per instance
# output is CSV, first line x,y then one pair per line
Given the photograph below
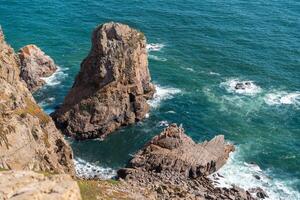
x,y
110,91
112,87
29,139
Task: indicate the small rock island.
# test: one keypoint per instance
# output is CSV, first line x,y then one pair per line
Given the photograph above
x,y
112,87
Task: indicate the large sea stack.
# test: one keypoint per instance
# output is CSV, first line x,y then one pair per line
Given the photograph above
x,y
112,87
35,65
29,139
173,166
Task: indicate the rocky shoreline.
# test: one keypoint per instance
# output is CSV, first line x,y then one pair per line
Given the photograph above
x,y
110,91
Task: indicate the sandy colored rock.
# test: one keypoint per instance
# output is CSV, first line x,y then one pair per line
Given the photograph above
x,y
112,87
28,185
173,166
28,137
35,65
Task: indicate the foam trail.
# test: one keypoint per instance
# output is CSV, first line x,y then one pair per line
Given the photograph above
x,y
249,88
154,47
283,98
162,93
55,78
153,57
249,176
214,73
88,170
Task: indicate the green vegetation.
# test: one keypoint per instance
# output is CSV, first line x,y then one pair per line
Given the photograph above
x,y
3,170
34,110
98,189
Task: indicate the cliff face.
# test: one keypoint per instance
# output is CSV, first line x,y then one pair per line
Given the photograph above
x,y
112,87
28,185
28,137
35,65
173,166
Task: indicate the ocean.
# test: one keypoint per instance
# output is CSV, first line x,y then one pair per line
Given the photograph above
x,y
198,51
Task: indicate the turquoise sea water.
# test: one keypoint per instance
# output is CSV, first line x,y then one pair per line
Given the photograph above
x,y
200,49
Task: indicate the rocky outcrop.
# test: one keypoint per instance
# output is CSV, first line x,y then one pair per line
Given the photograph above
x,y
35,65
28,137
24,185
175,167
112,87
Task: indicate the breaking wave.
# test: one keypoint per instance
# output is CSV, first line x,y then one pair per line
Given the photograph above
x,y
55,78
247,176
154,47
88,170
283,98
162,93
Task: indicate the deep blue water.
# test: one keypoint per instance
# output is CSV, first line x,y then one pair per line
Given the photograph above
x,y
206,47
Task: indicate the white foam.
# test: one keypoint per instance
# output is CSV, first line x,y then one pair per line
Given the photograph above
x,y
162,93
153,57
214,73
154,47
47,101
55,78
88,170
190,69
236,172
163,123
249,87
282,98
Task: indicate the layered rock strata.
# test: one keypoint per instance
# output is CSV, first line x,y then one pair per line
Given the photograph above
x,y
112,87
175,167
28,137
35,65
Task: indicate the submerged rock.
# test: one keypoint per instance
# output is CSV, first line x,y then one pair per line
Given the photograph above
x,y
35,65
112,87
32,185
175,167
243,85
28,137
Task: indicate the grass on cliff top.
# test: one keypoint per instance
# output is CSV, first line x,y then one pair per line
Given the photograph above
x,y
99,189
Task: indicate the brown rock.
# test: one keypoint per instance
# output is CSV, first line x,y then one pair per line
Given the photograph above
x,y
35,65
173,150
175,167
28,137
112,87
28,185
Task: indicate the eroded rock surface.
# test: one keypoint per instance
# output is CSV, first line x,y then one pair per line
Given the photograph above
x,y
35,65
175,167
28,137
28,185
112,87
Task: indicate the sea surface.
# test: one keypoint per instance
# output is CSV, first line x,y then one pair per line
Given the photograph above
x,y
198,51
